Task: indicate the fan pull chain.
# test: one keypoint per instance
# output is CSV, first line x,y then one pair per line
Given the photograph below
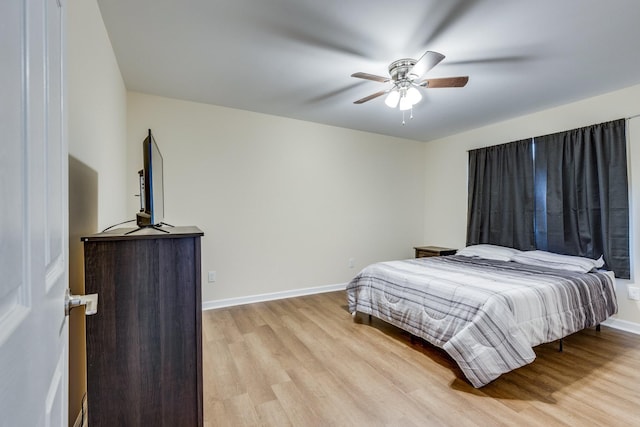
x,y
410,117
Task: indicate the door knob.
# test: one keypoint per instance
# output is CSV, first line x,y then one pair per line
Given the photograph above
x,y
89,301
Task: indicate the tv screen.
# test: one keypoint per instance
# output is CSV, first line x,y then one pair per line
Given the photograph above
x,y
151,185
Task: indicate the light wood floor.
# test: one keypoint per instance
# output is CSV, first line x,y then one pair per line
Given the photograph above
x,y
305,362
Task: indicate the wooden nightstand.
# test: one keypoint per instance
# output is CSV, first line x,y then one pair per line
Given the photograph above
x,y
427,251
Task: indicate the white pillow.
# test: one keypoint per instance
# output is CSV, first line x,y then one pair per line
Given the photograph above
x,y
559,262
498,253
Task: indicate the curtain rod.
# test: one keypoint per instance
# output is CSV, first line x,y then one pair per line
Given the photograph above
x,y
626,118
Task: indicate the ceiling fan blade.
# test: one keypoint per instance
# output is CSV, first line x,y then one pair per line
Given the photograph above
x,y
370,97
445,82
426,62
373,77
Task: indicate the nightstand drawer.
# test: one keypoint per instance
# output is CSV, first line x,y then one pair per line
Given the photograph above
x,y
427,251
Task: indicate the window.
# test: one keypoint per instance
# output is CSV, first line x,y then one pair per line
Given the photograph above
x,y
565,193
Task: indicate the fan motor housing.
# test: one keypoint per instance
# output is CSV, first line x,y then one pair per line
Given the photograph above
x,y
399,70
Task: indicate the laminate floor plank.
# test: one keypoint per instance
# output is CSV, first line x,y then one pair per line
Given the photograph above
x,y
240,411
272,414
218,362
299,411
256,379
306,362
222,320
348,404
242,319
263,357
269,317
216,415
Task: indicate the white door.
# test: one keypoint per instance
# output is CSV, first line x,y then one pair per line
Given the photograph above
x,y
33,215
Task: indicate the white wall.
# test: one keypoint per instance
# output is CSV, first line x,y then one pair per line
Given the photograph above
x,y
284,204
96,111
446,171
96,103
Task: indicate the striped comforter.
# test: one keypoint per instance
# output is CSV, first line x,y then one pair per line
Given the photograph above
x,y
487,315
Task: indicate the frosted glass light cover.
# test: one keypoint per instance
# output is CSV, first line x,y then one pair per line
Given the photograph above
x,y
392,99
413,95
405,104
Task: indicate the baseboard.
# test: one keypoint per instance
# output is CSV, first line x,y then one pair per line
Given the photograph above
x,y
230,302
623,325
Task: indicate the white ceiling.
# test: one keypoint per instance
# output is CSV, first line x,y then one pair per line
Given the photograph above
x,y
294,58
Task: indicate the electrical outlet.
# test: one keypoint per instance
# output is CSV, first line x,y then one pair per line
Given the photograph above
x,y
352,262
634,293
212,276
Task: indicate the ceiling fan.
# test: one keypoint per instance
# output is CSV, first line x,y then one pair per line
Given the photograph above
x,y
405,75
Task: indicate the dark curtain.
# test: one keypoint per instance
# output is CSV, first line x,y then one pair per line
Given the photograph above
x,y
501,204
582,204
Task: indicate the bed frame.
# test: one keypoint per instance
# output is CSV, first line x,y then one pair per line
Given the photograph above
x,y
413,337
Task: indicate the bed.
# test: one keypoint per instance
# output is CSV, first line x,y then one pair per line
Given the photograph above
x,y
487,314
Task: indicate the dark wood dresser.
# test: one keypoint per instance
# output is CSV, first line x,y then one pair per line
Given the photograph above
x,y
144,345
427,251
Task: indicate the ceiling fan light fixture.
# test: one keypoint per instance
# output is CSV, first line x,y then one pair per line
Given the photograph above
x,y
392,99
404,75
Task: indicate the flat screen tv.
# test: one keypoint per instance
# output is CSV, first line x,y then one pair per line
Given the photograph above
x,y
151,185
